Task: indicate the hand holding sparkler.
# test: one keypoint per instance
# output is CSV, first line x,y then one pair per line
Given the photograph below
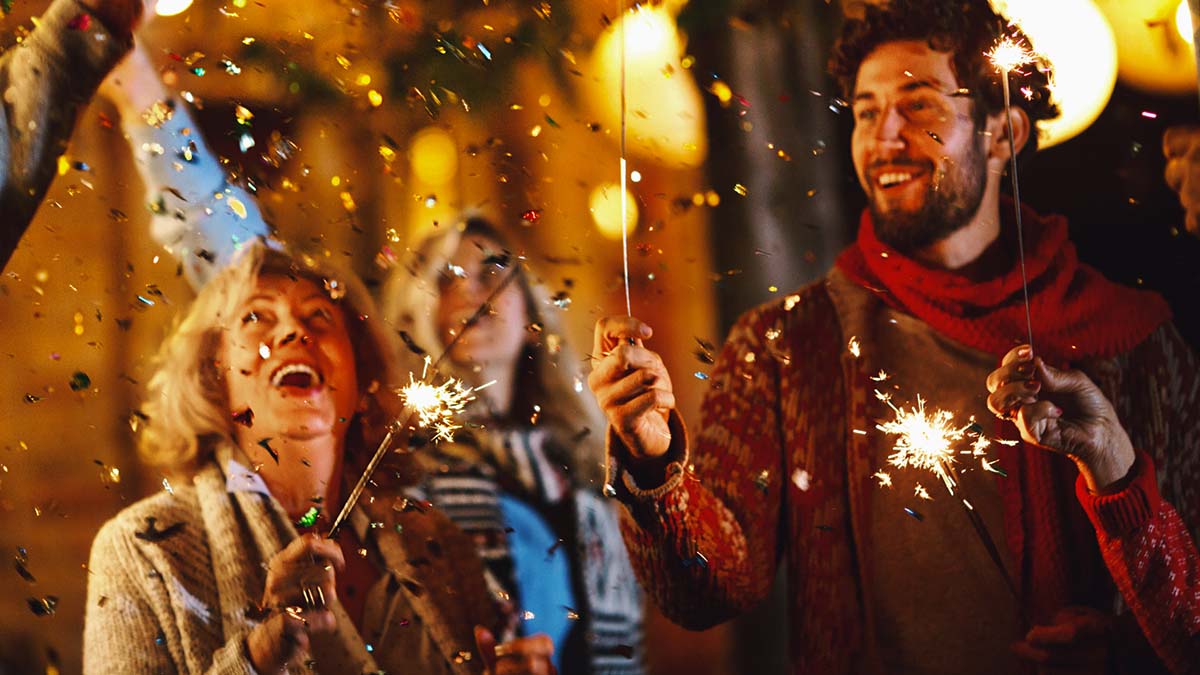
x,y
1063,411
632,386
307,563
1181,147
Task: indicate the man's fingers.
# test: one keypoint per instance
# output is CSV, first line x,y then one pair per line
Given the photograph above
x,y
622,391
613,330
1173,174
655,399
1177,140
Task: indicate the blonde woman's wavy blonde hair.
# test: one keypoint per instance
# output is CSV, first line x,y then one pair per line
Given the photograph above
x,y
187,403
551,376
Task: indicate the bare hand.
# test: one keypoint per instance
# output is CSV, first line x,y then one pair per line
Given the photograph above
x,y
1077,642
523,656
1181,146
1063,411
632,386
308,562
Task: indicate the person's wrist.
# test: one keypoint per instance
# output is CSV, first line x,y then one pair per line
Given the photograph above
x,y
1108,469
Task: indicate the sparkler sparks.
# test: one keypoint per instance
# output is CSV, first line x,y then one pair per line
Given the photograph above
x,y
436,407
925,440
1007,55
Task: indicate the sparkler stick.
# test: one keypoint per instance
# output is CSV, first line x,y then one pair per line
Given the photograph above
x,y
411,410
1008,55
624,196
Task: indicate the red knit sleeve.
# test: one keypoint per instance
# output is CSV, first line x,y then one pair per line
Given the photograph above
x,y
1147,530
705,542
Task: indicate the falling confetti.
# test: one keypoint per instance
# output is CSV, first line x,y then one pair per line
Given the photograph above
x,y
309,518
43,606
80,381
265,444
20,563
244,418
152,534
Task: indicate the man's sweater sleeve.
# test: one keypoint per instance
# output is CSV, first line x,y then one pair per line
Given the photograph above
x,y
1149,544
705,541
43,82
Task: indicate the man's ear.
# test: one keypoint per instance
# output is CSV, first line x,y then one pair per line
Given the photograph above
x,y
997,126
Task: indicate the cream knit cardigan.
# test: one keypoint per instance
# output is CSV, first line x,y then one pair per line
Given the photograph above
x,y
183,602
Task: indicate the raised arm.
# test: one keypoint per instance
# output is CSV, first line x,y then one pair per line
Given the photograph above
x,y
44,81
197,215
704,543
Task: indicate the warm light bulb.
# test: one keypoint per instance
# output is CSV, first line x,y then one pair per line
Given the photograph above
x,y
434,156
1183,23
605,205
1084,59
171,7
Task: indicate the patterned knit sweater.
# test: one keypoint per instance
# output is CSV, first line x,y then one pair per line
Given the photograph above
x,y
766,477
467,480
175,580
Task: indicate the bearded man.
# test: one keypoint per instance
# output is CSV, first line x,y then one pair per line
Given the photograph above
x,y
1102,413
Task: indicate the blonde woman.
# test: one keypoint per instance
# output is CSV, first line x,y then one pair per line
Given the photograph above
x,y
525,481
269,393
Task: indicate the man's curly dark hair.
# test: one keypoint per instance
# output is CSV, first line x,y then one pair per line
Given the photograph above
x,y
967,29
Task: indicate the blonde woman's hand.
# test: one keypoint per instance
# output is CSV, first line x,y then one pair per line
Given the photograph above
x,y
300,585
531,655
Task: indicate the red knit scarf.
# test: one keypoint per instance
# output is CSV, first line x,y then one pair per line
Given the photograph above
x,y
1076,314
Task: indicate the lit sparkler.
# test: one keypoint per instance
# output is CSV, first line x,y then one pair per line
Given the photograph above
x,y
1007,55
433,407
925,439
437,407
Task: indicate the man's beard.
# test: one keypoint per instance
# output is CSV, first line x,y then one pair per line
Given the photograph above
x,y
950,203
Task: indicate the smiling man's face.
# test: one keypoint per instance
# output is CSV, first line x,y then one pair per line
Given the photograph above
x,y
918,153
